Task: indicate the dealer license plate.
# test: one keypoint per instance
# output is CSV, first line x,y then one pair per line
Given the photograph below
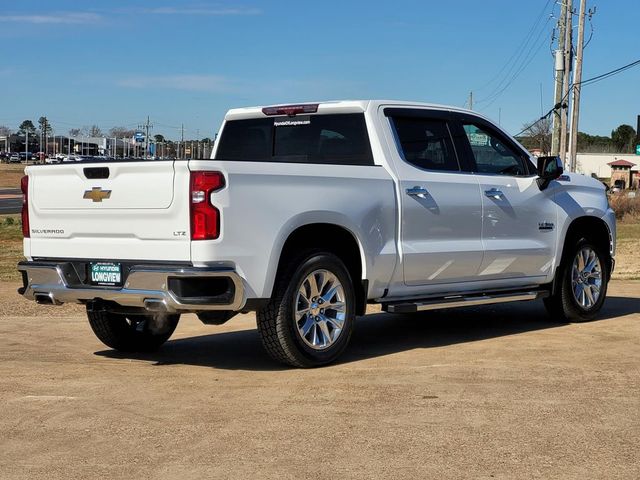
x,y
107,274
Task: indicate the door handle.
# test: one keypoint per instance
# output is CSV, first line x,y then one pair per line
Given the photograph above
x,y
417,192
494,193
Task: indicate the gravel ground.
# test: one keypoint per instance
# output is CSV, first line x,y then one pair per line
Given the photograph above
x,y
494,392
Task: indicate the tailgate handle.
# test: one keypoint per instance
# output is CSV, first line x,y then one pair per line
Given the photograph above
x,y
96,172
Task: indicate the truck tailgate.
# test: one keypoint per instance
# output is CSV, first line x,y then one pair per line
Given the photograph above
x,y
118,210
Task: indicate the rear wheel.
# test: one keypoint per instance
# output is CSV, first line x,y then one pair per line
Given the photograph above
x,y
132,333
309,320
583,284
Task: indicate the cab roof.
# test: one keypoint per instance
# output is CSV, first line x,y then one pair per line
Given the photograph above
x,y
340,106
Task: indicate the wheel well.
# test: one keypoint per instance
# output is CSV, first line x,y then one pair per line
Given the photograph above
x,y
593,229
334,239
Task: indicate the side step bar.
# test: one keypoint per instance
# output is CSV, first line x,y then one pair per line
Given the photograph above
x,y
454,301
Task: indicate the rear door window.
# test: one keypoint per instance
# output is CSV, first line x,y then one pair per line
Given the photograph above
x,y
340,139
426,143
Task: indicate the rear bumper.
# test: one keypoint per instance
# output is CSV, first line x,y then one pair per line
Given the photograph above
x,y
155,288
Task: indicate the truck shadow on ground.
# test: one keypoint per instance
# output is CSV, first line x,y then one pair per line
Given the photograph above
x,y
376,335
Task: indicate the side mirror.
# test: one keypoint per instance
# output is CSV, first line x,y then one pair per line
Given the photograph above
x,y
549,168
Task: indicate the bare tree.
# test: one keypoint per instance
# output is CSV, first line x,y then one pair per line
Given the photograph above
x,y
74,132
121,132
540,134
94,131
5,131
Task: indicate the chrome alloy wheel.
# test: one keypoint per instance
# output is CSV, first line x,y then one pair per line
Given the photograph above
x,y
320,309
586,278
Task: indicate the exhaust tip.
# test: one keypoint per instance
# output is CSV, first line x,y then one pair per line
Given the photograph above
x,y
155,305
46,299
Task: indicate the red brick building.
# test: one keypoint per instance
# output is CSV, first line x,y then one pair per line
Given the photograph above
x,y
622,176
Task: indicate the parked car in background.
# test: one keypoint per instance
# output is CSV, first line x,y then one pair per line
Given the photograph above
x,y
15,158
28,156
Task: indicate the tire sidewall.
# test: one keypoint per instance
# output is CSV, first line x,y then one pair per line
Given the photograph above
x,y
573,310
331,263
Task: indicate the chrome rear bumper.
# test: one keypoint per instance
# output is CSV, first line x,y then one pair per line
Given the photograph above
x,y
145,286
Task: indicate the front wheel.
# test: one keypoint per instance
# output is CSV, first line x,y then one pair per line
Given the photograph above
x,y
309,320
583,284
134,333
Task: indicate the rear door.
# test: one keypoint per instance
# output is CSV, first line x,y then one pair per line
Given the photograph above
x,y
120,210
441,206
519,220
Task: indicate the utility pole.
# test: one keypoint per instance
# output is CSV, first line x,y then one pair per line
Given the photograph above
x,y
577,79
470,100
181,137
568,47
146,127
559,71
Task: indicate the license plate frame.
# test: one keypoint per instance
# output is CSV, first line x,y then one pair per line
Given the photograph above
x,y
105,274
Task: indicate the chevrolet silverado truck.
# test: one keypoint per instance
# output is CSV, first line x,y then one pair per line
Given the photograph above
x,y
305,214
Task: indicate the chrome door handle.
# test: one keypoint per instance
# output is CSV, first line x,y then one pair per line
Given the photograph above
x,y
417,192
494,193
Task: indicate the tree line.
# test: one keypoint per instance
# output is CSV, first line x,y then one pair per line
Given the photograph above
x,y
622,139
27,127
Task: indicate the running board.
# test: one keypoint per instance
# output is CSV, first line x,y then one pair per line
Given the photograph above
x,y
454,301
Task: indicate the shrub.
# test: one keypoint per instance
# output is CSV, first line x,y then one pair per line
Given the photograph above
x,y
626,208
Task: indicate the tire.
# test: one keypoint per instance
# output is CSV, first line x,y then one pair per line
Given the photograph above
x,y
294,327
135,333
582,289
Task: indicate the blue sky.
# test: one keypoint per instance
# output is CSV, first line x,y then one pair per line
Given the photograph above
x,y
112,63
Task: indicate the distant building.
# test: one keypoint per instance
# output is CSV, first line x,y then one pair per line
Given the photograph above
x,y
622,176
602,165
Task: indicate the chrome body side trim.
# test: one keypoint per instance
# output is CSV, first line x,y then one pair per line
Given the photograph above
x,y
145,287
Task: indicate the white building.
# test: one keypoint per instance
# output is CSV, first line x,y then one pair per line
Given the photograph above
x,y
597,163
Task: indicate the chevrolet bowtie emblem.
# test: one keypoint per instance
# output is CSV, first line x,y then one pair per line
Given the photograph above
x,y
97,194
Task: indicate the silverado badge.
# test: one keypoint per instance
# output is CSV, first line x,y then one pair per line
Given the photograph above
x,y
97,194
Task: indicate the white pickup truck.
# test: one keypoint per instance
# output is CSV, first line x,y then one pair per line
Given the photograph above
x,y
306,213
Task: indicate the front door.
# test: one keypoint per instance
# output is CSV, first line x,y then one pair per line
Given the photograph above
x,y
519,220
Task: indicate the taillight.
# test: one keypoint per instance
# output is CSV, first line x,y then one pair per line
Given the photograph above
x,y
205,218
24,186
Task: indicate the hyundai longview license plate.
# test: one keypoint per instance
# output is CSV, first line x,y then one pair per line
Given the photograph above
x,y
105,274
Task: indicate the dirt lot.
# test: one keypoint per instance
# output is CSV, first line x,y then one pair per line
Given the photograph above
x,y
498,392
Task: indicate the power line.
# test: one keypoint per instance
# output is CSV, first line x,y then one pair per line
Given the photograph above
x,y
599,78
526,61
589,81
518,51
522,59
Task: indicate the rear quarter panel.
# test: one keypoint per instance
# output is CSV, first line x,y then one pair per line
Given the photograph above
x,y
263,203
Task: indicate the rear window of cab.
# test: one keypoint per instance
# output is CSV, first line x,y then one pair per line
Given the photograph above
x,y
339,139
